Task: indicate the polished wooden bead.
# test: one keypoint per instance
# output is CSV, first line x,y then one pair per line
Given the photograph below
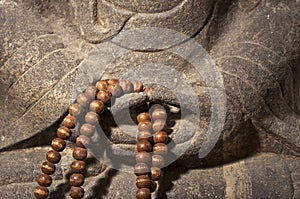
x,y
160,137
137,86
75,110
41,192
102,85
87,130
158,125
144,145
143,117
141,169
143,193
83,100
44,180
155,173
79,153
144,135
159,114
143,181
115,89
92,118
158,161
76,192
53,156
48,168
126,86
145,126
76,179
160,149
63,133
91,92
82,141
113,81
97,106
78,166
104,96
69,121
143,157
58,144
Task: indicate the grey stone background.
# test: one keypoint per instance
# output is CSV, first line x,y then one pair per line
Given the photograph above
x,y
254,43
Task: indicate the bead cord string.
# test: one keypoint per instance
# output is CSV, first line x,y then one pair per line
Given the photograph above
x,y
88,106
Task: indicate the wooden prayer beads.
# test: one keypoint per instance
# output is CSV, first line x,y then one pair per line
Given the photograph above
x,y
151,146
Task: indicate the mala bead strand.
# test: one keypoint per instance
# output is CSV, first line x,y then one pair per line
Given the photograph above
x,y
96,107
160,139
53,156
143,158
82,141
78,165
95,98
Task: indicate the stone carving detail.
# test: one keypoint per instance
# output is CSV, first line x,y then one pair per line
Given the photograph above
x,y
255,45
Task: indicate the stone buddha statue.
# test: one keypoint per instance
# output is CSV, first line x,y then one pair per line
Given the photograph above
x,y
253,44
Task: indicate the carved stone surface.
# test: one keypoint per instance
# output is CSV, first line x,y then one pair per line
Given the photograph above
x,y
255,45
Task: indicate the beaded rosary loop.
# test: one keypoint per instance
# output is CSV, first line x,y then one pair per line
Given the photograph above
x,y
151,139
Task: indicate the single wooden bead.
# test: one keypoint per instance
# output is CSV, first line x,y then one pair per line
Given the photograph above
x,y
63,133
41,192
160,137
48,168
144,145
143,157
97,106
126,86
155,173
144,135
78,166
101,85
83,100
145,126
115,90
159,114
91,92
143,193
158,125
113,81
76,179
69,121
76,192
44,180
92,118
79,153
104,96
137,86
58,144
143,117
143,181
141,169
82,141
75,110
53,156
87,130
160,149
158,161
